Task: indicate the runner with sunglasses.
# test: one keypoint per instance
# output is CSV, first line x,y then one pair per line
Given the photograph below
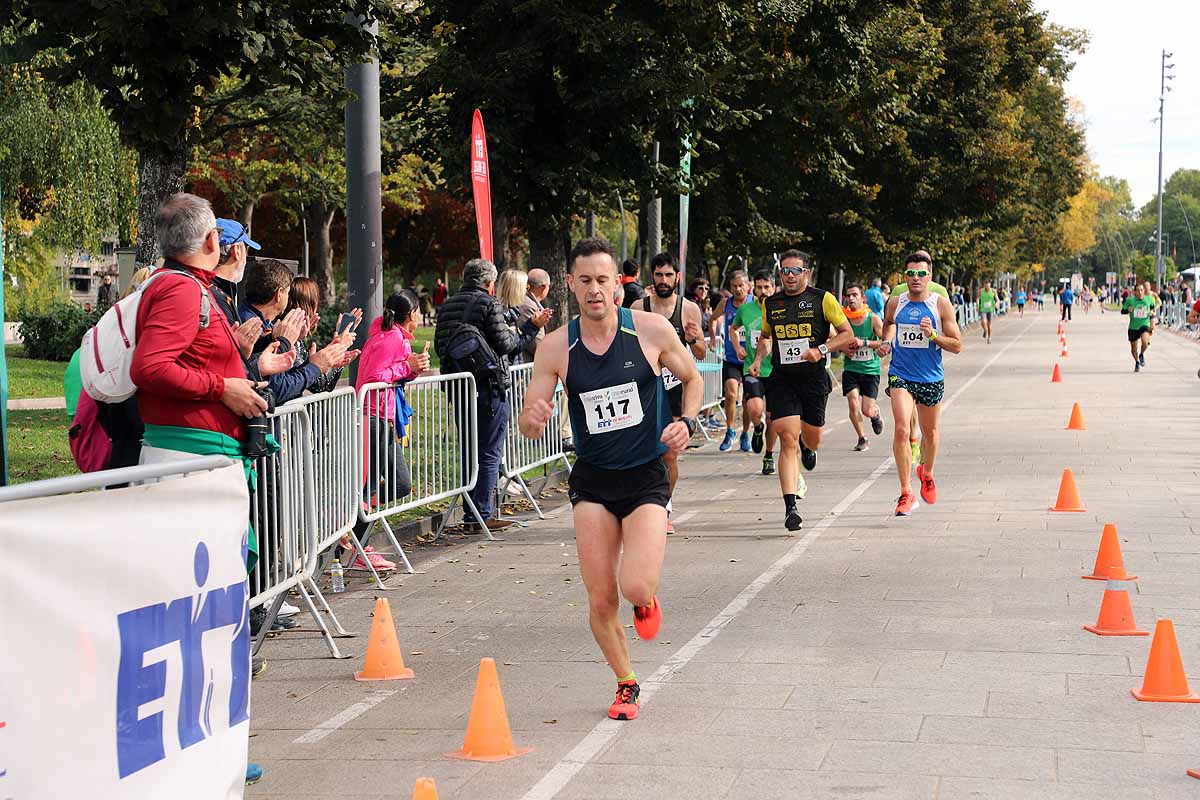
x,y
914,430
917,326
800,326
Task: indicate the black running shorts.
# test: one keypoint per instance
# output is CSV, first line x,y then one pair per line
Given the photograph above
x,y
753,387
1136,333
867,385
730,371
925,394
799,397
620,491
675,400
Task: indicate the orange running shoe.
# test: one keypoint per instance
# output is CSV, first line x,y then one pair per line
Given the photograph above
x,y
626,705
647,619
906,504
928,488
670,528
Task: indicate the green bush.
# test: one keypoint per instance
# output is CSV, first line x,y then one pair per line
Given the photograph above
x,y
55,334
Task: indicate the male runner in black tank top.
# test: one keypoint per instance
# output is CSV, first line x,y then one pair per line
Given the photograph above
x,y
610,362
685,319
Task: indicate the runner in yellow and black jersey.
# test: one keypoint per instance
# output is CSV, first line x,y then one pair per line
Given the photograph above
x,y
801,324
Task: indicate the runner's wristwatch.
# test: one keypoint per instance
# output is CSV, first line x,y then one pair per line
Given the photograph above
x,y
823,349
692,425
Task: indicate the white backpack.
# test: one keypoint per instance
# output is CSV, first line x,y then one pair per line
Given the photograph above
x,y
106,353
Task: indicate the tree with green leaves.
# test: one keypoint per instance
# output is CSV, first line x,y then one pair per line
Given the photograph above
x,y
156,63
67,182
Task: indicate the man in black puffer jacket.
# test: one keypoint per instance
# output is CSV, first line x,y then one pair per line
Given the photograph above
x,y
474,305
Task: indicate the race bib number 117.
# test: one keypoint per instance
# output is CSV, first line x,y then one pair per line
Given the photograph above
x,y
613,408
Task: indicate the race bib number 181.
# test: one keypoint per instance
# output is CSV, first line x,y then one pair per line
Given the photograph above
x,y
613,408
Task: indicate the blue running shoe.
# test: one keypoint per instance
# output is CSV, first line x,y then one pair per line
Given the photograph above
x,y
744,443
727,442
253,773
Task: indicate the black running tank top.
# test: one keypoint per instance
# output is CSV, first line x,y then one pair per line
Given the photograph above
x,y
676,317
616,402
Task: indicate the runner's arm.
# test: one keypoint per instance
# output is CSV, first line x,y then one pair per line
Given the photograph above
x,y
714,324
691,328
764,345
889,326
950,336
877,329
539,395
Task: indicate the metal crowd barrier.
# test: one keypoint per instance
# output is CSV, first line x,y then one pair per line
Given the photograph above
x,y
522,454
436,458
283,513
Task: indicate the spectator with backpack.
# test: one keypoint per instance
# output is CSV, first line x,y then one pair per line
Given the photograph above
x,y
473,336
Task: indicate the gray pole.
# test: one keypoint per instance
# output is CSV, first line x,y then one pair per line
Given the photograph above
x,y
1159,266
364,201
654,218
624,235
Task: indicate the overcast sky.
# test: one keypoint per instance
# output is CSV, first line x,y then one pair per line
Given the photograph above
x,y
1117,80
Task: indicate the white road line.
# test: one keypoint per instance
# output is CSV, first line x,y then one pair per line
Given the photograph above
x,y
723,494
338,720
606,730
682,518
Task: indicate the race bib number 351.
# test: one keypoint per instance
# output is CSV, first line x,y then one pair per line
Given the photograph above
x,y
613,408
911,336
791,351
1141,312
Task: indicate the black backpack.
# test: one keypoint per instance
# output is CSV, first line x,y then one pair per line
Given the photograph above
x,y
467,350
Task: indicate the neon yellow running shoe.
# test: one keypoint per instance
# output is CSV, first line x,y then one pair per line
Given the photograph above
x,y
916,453
801,487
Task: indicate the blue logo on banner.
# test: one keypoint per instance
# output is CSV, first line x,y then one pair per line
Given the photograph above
x,y
181,622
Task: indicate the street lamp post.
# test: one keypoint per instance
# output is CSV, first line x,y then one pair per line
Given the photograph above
x,y
1159,266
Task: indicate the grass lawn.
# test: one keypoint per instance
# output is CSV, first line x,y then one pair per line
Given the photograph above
x,y
37,446
420,337
29,377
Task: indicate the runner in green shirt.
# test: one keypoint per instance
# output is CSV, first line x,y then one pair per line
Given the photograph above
x,y
749,318
987,307
1140,308
860,371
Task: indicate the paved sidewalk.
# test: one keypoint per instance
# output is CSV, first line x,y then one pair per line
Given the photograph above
x,y
939,656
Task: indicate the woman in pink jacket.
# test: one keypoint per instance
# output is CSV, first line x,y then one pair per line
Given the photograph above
x,y
387,357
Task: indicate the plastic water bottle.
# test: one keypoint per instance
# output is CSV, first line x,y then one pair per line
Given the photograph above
x,y
338,576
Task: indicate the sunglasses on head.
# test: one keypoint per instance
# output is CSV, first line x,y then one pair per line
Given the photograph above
x,y
793,270
916,273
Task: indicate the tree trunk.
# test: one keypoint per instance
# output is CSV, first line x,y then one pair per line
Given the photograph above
x,y
500,237
320,250
246,215
546,252
160,175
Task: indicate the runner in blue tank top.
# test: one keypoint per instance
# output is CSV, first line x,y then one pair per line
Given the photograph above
x,y
610,360
732,367
917,326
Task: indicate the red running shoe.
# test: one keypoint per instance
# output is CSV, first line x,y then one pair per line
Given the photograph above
x,y
906,504
670,528
647,619
626,705
928,487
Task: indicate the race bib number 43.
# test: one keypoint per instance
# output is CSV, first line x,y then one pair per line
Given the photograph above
x,y
613,408
791,351
911,336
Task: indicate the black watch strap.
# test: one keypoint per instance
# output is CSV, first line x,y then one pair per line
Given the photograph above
x,y
692,425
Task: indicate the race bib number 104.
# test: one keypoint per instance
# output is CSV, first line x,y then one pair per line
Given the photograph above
x,y
911,337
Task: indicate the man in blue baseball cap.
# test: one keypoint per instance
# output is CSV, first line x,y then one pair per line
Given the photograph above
x,y
229,273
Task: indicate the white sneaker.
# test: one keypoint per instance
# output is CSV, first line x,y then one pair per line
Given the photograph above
x,y
287,610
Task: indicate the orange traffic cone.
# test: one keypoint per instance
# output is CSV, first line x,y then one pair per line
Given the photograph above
x,y
425,789
1060,328
384,661
1064,353
1110,566
1116,615
488,736
1076,421
1068,495
1056,376
1195,773
1165,681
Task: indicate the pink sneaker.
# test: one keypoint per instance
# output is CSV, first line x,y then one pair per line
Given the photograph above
x,y
380,563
